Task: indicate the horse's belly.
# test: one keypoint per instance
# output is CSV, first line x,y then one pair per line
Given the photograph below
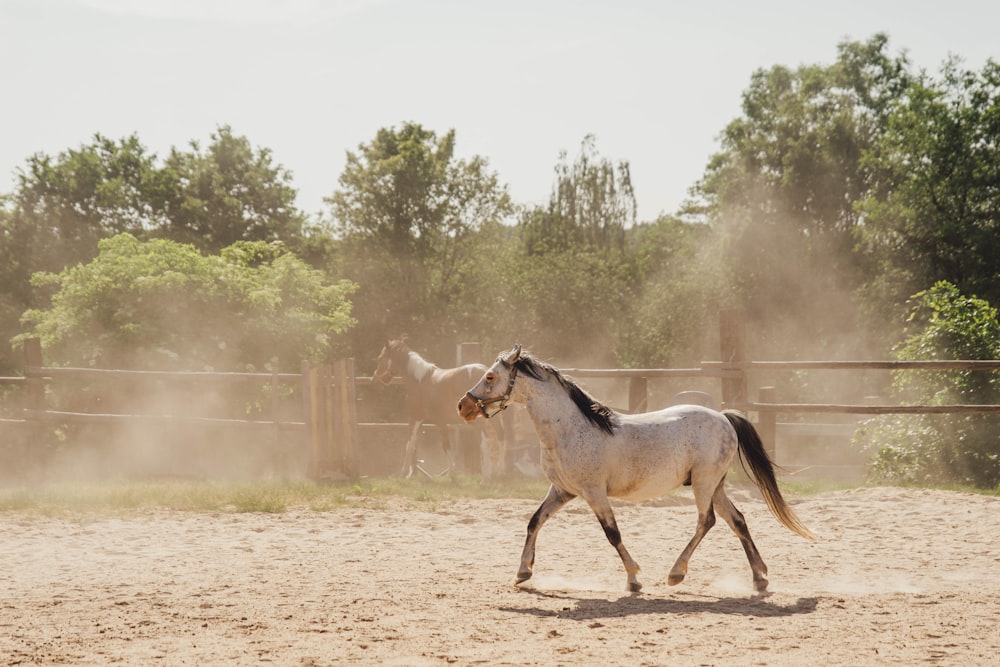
x,y
646,487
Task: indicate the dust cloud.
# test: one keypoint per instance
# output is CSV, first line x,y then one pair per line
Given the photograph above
x,y
798,305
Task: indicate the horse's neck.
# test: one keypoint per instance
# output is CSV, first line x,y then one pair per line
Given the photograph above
x,y
418,368
552,411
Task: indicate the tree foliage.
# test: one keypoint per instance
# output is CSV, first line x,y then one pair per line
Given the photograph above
x,y
942,449
407,212
64,205
160,304
572,279
678,292
591,206
228,193
933,212
782,191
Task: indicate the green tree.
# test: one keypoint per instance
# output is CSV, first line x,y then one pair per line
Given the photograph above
x,y
942,449
407,212
13,301
228,193
678,292
782,191
591,206
61,207
160,304
934,211
573,280
64,205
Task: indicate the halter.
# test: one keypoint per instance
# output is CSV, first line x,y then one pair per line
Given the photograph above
x,y
481,403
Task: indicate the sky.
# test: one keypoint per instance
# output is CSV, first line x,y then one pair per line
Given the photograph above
x,y
519,81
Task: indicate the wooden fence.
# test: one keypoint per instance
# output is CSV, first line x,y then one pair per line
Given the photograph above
x,y
327,406
330,424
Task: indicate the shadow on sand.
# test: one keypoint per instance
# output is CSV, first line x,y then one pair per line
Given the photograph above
x,y
587,608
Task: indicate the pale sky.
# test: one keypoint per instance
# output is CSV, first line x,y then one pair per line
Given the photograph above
x,y
519,80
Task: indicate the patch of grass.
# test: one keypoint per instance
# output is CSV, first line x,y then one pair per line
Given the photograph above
x,y
129,496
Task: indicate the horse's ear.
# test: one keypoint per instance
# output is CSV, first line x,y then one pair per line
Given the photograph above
x,y
514,354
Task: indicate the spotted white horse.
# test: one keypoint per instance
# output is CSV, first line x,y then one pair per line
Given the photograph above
x,y
588,450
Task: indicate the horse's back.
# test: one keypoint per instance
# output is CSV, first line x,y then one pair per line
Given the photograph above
x,y
688,422
435,398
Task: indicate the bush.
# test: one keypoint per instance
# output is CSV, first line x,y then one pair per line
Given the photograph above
x,y
948,448
163,305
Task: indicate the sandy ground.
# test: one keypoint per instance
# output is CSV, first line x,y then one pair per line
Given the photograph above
x,y
897,577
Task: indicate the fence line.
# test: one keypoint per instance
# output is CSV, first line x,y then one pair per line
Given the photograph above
x,y
329,410
875,409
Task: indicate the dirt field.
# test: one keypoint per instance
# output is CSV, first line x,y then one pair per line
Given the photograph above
x,y
898,577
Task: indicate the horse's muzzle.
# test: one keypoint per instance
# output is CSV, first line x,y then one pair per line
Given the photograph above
x,y
467,409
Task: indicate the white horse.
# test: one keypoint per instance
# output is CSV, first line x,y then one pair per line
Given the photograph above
x,y
589,450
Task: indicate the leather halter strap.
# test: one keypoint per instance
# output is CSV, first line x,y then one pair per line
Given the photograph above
x,y
503,400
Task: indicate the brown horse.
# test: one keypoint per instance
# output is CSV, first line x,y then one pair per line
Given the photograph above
x,y
431,393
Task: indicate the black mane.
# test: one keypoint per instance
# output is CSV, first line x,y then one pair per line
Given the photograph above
x,y
596,412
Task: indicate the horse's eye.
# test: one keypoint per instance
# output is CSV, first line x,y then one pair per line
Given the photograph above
x,y
490,377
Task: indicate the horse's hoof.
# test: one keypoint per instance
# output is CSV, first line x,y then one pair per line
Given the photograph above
x,y
760,585
675,579
522,576
634,587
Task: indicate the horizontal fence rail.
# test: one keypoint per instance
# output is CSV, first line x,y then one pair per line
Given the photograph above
x,y
99,418
653,373
874,409
745,367
926,365
110,374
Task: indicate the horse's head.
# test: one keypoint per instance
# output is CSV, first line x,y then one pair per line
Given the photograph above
x,y
493,389
393,356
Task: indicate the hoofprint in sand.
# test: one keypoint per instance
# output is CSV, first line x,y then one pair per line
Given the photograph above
x,y
896,577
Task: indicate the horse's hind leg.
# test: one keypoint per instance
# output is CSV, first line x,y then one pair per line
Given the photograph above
x,y
552,503
602,508
449,453
706,519
735,519
410,457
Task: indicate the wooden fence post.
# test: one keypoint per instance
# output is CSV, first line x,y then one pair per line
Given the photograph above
x,y
279,459
329,401
35,400
327,391
468,439
733,350
346,419
637,395
767,420
35,384
316,397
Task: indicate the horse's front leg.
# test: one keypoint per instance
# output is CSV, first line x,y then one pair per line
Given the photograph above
x,y
598,502
449,453
410,457
553,502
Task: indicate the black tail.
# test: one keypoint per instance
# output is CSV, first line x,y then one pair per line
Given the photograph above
x,y
753,452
